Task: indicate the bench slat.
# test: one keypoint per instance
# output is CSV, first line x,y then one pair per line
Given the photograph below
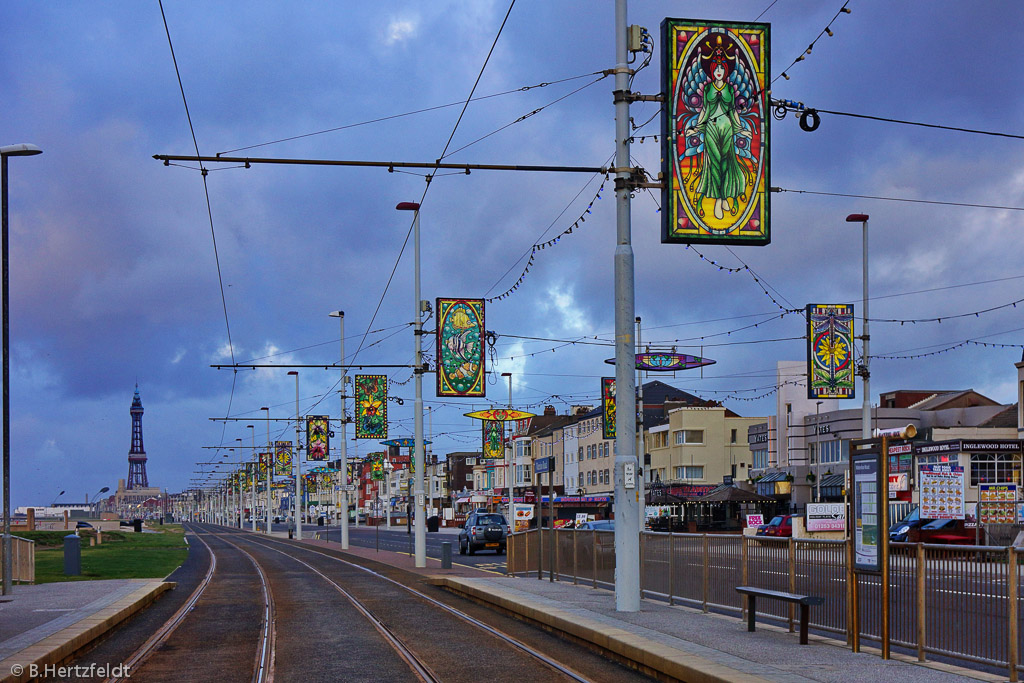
x,y
780,595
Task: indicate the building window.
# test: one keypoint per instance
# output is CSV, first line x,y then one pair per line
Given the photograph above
x,y
690,472
760,458
469,476
689,436
834,450
732,437
995,468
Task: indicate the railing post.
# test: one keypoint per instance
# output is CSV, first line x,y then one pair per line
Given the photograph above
x,y
707,569
743,570
1012,581
671,567
792,578
575,559
593,545
641,582
922,621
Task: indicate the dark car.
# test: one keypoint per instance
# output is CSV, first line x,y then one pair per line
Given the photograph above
x,y
781,526
83,525
900,531
947,532
598,524
483,531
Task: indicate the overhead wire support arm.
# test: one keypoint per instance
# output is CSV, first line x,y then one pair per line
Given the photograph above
x,y
325,366
390,165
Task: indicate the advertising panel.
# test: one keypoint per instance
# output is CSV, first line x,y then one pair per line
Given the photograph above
x,y
942,492
282,458
371,395
715,122
997,503
318,437
826,517
494,443
867,503
460,347
830,351
608,407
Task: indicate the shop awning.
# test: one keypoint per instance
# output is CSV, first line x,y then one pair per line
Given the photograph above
x,y
770,477
833,480
731,494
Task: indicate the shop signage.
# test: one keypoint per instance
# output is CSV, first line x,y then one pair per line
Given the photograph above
x,y
755,521
997,503
898,482
942,492
826,517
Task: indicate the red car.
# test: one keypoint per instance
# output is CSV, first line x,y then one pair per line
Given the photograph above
x,y
781,526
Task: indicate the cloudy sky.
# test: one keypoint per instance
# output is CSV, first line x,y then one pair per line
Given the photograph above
x,y
114,274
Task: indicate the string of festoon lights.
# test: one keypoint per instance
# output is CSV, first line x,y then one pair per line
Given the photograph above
x,y
953,347
540,246
810,48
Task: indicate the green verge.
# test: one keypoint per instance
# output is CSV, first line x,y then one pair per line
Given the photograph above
x,y
122,555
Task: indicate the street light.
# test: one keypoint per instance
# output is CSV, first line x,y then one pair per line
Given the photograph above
x,y
420,526
96,497
270,470
251,481
340,315
865,373
19,150
508,465
297,456
56,497
817,452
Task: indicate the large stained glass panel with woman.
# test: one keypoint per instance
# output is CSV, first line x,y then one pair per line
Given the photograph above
x,y
716,178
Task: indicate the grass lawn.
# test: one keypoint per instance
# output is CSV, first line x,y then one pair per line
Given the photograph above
x,y
122,555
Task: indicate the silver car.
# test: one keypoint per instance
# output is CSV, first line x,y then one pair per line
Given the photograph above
x,y
483,531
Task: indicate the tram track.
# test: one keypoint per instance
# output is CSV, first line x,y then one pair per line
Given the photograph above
x,y
149,661
421,658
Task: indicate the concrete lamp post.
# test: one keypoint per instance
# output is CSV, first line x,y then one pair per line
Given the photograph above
x,y
19,150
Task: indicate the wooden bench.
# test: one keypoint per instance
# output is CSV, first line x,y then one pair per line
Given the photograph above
x,y
805,602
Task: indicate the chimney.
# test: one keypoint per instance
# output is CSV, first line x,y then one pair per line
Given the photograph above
x,y
549,410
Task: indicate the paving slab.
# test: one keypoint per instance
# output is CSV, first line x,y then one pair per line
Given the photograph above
x,y
49,623
688,644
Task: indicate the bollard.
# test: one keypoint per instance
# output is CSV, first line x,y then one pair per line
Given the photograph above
x,y
446,555
72,555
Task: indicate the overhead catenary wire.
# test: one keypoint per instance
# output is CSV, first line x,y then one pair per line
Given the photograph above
x,y
209,208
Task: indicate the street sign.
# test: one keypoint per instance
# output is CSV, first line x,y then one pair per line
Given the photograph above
x,y
348,487
542,465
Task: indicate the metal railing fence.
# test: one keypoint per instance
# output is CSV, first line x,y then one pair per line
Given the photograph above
x,y
962,602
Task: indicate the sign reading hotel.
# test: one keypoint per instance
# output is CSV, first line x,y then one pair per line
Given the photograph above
x,y
942,492
715,154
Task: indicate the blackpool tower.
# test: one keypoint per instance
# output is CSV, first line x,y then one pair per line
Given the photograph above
x,y
137,455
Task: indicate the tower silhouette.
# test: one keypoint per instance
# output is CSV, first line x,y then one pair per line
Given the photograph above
x,y
137,455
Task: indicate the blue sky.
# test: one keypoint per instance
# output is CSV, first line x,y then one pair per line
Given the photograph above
x,y
113,276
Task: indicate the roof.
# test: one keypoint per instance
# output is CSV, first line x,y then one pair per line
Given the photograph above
x,y
731,494
772,476
1006,418
953,399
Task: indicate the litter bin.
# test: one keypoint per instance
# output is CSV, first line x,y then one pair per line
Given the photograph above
x,y
137,524
433,523
319,521
72,555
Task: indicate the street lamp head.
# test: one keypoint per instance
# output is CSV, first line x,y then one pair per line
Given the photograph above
x,y
506,374
857,218
104,489
337,314
293,372
23,149
407,206
264,408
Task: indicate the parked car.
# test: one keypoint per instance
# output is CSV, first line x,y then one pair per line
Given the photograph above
x,y
780,526
900,531
946,532
483,530
83,525
599,524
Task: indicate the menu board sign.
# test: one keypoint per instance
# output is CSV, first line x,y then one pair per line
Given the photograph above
x,y
942,492
997,503
867,503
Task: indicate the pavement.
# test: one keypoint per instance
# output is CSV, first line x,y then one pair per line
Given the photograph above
x,y
48,624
